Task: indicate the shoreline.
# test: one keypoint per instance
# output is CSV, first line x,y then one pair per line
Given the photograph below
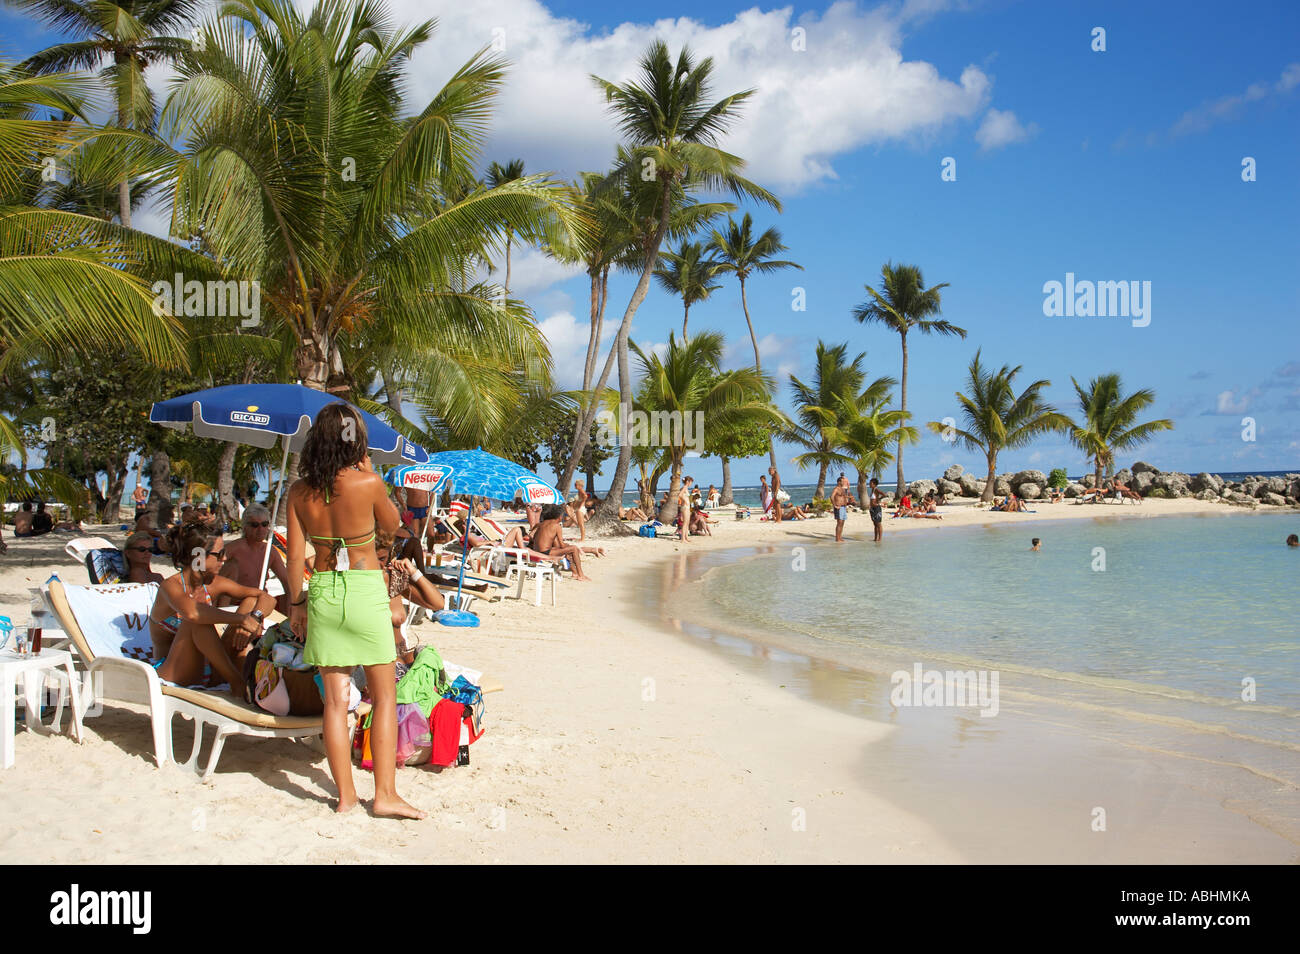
x,y
619,740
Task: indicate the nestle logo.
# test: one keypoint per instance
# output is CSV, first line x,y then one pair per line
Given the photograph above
x,y
423,478
539,492
244,417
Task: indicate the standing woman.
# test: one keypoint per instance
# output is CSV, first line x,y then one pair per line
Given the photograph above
x,y
339,502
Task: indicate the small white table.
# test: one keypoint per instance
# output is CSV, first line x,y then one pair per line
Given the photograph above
x,y
56,661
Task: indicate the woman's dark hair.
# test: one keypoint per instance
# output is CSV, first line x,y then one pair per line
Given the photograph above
x,y
181,542
336,440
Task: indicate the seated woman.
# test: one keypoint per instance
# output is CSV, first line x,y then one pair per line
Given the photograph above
x,y
796,513
700,523
184,620
928,510
404,580
139,546
904,509
633,513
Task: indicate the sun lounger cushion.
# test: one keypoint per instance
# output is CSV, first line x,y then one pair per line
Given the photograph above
x,y
115,619
241,712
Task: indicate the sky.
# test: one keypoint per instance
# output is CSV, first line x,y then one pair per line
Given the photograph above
x,y
1166,157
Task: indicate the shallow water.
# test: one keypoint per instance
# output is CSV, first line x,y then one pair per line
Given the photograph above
x,y
1180,608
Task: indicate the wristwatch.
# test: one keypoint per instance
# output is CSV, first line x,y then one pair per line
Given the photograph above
x,y
258,615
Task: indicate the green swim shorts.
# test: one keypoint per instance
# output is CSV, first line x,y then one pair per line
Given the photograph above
x,y
348,619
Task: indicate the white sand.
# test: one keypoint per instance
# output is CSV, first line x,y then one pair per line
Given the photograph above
x,y
615,741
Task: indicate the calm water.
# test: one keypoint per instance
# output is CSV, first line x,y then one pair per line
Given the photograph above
x,y
1184,609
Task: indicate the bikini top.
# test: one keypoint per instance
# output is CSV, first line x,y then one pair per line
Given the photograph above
x,y
207,597
340,543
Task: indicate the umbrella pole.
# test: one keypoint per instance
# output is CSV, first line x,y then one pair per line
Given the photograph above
x,y
464,556
275,507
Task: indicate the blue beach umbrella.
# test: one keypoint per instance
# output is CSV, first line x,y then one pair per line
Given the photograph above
x,y
262,414
478,474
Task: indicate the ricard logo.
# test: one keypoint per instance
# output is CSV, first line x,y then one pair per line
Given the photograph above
x,y
250,417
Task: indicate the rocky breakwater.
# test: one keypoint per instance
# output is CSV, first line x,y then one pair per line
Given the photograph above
x,y
1143,478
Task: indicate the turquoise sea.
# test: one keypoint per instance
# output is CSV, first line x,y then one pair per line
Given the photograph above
x,y
1176,614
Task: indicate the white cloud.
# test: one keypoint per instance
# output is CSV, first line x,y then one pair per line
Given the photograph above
x,y
1218,110
1002,128
1228,403
850,87
567,338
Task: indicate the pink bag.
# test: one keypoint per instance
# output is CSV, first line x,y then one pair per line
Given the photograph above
x,y
414,743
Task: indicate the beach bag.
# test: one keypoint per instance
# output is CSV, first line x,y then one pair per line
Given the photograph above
x,y
471,697
648,529
414,742
279,682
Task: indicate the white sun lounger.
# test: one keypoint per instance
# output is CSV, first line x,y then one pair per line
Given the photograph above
x,y
109,628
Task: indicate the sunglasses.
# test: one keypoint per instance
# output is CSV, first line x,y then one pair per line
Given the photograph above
x,y
219,554
259,523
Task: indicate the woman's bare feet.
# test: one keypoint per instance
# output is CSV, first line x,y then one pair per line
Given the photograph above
x,y
345,806
395,807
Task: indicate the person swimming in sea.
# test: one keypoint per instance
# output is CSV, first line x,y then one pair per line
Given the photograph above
x,y
344,617
1037,545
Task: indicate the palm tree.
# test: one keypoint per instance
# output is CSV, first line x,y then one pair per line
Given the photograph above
x,y
131,35
671,129
904,304
686,383
740,253
822,408
303,169
688,274
498,175
997,419
1108,421
69,280
868,433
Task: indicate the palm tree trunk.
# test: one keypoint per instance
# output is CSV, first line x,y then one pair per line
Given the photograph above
x,y
582,434
392,394
123,187
226,482
668,513
159,506
607,512
988,494
726,482
862,488
902,390
821,480
686,316
509,236
758,366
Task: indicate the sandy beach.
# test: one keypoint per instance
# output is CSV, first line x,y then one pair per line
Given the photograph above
x,y
622,736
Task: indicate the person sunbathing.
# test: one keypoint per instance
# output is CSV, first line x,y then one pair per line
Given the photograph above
x,y
929,509
184,619
1123,491
139,546
700,523
634,513
548,541
795,513
904,508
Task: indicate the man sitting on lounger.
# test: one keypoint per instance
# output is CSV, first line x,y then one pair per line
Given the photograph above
x,y
548,541
244,556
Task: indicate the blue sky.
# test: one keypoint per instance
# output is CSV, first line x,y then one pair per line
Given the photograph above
x,y
1117,165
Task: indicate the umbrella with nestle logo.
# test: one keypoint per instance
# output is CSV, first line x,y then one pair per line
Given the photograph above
x,y
478,474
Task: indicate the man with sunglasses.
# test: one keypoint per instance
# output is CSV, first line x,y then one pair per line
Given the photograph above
x,y
244,556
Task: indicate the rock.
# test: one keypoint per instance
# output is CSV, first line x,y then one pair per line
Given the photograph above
x,y
1028,476
954,472
1074,490
1207,494
1275,500
1124,477
1241,499
919,488
1176,484
1294,489
970,487
1226,491
1142,482
1204,481
1277,485
1002,485
1089,481
1260,490
1142,467
1248,487
949,487
1029,490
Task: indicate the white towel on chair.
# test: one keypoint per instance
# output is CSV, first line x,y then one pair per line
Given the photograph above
x,y
115,617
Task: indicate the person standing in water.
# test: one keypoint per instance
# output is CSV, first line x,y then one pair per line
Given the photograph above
x,y
876,498
339,503
776,494
840,500
684,508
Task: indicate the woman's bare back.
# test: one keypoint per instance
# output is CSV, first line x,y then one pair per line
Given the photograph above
x,y
357,507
